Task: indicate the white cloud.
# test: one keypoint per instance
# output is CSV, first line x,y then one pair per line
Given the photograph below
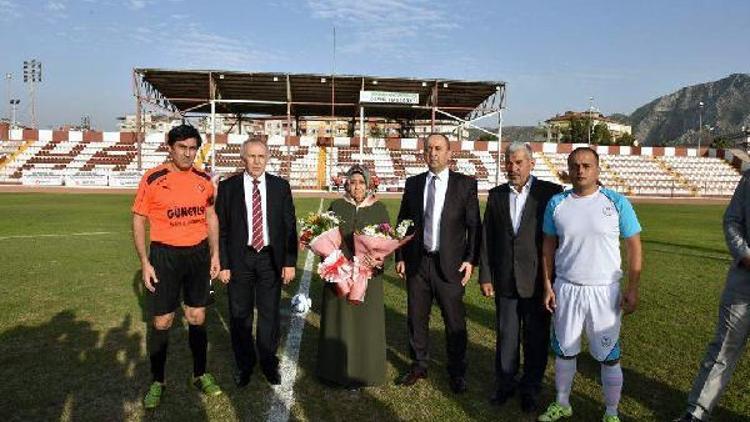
x,y
378,12
56,6
202,49
192,46
55,11
142,4
385,27
136,4
8,10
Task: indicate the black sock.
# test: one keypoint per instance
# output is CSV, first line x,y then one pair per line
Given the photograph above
x,y
198,344
158,343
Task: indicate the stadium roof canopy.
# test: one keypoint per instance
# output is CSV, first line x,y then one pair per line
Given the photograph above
x,y
306,95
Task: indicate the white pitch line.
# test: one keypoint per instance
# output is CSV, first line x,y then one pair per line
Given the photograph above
x,y
34,236
221,319
283,399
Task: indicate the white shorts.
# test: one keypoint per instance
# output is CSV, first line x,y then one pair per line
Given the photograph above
x,y
593,308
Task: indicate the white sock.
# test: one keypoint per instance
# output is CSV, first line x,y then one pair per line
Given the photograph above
x,y
612,387
565,370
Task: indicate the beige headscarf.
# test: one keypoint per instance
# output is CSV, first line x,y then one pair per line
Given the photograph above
x,y
369,195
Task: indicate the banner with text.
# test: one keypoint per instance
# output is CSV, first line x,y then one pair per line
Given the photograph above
x,y
83,180
388,97
31,178
125,179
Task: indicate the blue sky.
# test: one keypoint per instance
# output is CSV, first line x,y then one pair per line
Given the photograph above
x,y
554,55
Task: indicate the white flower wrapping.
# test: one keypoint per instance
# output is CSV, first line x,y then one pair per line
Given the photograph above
x,y
403,227
331,216
326,216
400,231
373,231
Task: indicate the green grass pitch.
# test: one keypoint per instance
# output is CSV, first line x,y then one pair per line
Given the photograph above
x,y
73,326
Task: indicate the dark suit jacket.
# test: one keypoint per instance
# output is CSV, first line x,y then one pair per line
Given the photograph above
x,y
460,224
231,209
513,262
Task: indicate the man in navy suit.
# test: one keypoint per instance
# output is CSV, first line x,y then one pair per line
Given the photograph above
x,y
439,260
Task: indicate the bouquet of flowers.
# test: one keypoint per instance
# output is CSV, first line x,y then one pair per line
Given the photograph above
x,y
376,241
320,233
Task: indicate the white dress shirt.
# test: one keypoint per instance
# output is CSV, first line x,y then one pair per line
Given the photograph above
x,y
441,186
517,200
248,185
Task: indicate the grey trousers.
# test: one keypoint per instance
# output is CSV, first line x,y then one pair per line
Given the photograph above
x,y
727,346
521,321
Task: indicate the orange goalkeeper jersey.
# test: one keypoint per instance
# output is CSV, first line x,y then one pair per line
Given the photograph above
x,y
175,203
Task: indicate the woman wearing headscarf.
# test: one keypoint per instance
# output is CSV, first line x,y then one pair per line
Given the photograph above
x,y
351,347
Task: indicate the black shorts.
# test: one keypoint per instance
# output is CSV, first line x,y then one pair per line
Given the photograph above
x,y
185,268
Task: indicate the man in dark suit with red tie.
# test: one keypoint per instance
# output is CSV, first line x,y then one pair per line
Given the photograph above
x,y
438,262
258,251
511,271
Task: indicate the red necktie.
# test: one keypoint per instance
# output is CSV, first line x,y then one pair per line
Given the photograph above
x,y
258,242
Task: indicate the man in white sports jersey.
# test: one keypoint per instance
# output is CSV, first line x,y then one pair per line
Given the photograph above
x,y
582,230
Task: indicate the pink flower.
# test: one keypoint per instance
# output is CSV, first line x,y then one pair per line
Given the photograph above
x,y
384,228
378,248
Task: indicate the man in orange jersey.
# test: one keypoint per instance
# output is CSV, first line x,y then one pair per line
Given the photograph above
x,y
177,200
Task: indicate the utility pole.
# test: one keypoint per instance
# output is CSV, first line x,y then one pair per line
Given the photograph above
x,y
32,74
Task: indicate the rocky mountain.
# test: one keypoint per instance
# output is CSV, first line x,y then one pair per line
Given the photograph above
x,y
522,134
674,119
620,118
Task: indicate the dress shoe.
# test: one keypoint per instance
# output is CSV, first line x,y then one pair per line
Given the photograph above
x,y
272,375
242,378
529,403
411,377
458,384
501,396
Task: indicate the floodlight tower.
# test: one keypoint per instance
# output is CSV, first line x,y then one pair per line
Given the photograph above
x,y
32,74
8,79
13,105
700,125
589,126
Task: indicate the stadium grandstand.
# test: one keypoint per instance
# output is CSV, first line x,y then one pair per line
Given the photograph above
x,y
396,112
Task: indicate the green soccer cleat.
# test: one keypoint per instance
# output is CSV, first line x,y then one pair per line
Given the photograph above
x,y
207,384
610,418
554,412
153,397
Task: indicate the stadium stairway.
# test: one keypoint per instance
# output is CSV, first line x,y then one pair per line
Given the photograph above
x,y
203,155
676,175
322,159
740,159
617,178
11,156
10,170
552,168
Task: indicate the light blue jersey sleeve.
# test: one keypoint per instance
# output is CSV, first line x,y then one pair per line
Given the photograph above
x,y
548,226
629,225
